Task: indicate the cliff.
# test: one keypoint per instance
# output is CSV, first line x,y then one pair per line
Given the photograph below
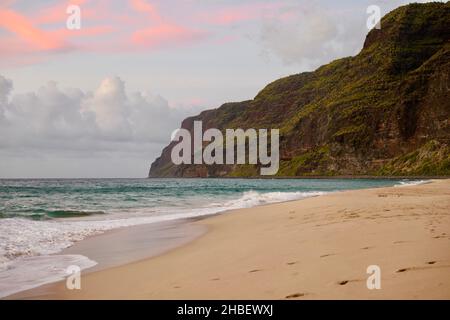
x,y
385,111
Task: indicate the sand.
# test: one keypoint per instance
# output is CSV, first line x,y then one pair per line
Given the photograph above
x,y
125,245
317,248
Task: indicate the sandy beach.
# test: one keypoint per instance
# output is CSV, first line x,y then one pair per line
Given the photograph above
x,y
316,248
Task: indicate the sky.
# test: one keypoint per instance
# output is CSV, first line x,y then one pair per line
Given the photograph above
x,y
102,100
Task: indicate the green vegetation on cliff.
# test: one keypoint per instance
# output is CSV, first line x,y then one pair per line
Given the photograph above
x,y
433,158
385,111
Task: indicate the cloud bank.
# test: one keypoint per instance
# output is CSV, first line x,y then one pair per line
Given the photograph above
x,y
69,123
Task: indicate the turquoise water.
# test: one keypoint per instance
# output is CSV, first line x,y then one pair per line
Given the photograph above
x,y
65,198
39,218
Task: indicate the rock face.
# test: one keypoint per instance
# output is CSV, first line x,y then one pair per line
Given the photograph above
x,y
385,111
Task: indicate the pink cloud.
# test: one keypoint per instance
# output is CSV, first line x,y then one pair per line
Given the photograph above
x,y
143,6
24,29
106,27
57,13
26,38
161,32
239,13
165,34
230,16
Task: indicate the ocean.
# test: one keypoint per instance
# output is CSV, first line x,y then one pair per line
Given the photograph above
x,y
41,217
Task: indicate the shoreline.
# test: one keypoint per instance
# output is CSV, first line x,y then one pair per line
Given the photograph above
x,y
124,245
344,177
144,246
95,280
370,177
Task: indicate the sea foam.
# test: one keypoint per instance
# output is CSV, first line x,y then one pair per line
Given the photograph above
x,y
28,248
28,272
406,183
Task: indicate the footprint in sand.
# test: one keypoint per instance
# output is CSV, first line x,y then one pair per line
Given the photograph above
x,y
344,282
254,270
421,268
295,295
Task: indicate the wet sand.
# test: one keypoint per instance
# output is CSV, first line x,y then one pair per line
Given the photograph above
x,y
125,245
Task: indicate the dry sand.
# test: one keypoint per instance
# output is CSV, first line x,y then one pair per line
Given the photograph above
x,y
317,248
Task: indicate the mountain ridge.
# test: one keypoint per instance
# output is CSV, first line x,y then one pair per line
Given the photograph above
x,y
382,112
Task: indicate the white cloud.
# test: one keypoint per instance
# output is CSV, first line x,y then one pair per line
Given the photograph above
x,y
71,124
311,36
5,89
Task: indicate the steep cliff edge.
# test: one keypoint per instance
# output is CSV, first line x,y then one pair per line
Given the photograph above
x,y
385,111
